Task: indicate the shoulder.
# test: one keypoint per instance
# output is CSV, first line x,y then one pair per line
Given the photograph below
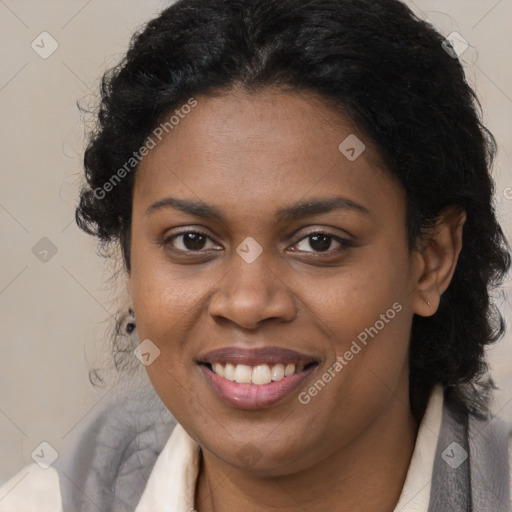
x,y
32,488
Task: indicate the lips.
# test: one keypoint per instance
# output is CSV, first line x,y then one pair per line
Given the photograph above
x,y
256,356
255,378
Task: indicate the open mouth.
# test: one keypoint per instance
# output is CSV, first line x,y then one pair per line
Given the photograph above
x,y
260,374
256,386
257,377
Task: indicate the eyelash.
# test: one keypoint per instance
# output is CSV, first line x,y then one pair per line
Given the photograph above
x,y
344,243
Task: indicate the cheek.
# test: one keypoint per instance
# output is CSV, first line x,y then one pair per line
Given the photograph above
x,y
355,298
367,312
164,296
370,324
168,310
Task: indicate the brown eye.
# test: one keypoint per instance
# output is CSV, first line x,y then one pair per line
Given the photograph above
x,y
188,241
321,242
194,241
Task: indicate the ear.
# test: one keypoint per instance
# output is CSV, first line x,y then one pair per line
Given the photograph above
x,y
438,256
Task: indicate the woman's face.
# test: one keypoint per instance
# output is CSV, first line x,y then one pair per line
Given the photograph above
x,y
298,255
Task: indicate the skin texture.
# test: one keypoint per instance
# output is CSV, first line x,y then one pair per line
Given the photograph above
x,y
349,448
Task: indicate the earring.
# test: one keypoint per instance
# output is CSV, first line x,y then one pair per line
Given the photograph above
x,y
427,301
130,326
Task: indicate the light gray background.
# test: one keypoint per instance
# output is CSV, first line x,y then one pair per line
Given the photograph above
x,y
54,315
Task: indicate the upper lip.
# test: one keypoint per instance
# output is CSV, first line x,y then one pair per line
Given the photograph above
x,y
255,356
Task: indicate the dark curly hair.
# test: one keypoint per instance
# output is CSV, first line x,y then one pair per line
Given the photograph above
x,y
391,73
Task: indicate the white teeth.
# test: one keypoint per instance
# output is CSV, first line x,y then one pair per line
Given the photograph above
x,y
218,369
289,370
259,375
277,372
243,374
229,371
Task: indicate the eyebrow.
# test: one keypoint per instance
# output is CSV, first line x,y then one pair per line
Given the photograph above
x,y
298,210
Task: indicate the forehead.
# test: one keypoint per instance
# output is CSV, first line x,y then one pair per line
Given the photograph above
x,y
258,150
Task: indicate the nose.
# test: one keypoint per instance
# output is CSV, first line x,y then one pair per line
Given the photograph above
x,y
251,293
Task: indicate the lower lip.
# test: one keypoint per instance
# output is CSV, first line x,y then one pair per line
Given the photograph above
x,y
252,396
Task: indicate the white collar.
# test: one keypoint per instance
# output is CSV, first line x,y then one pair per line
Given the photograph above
x,y
171,485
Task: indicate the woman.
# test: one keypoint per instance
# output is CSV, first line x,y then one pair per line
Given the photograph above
x,y
301,192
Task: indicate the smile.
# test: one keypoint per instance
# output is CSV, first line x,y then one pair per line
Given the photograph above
x,y
255,378
258,375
